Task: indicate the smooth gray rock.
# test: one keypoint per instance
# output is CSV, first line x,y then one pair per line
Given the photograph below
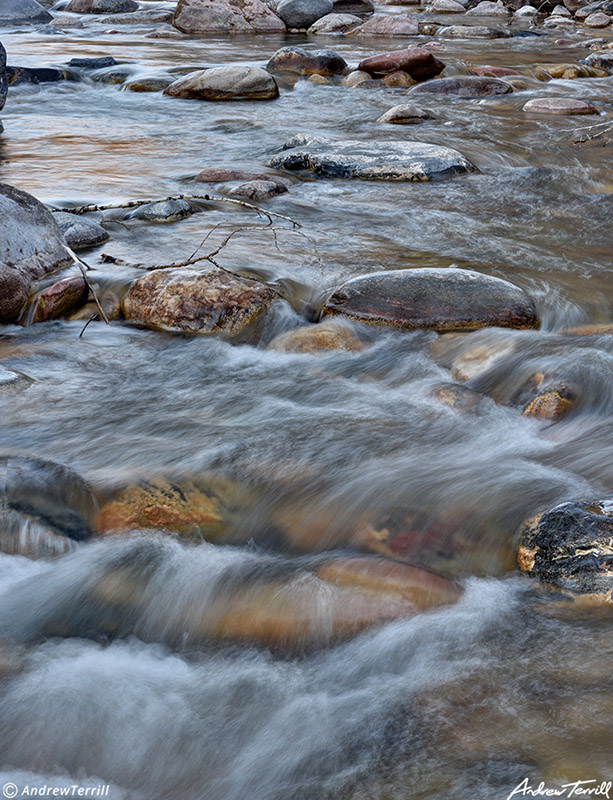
x,y
31,246
226,16
375,161
463,86
163,211
22,12
303,13
78,232
225,83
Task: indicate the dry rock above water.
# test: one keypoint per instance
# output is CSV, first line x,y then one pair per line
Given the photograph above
x,y
78,232
559,105
439,299
303,62
204,302
383,161
467,86
417,61
405,114
31,246
388,25
225,83
23,12
226,16
335,23
303,13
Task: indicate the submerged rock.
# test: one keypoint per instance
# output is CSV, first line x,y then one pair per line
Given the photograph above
x,y
303,62
383,161
23,12
78,232
60,299
151,83
225,83
206,302
440,299
321,338
303,13
42,503
458,397
31,246
551,404
464,86
226,16
162,211
405,114
570,547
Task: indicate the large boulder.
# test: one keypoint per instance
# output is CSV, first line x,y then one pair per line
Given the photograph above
x,y
31,246
303,13
440,299
205,302
3,81
383,161
569,547
303,62
23,12
226,16
417,61
464,86
226,83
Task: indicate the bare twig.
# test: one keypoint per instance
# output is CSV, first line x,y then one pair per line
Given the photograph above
x,y
82,265
91,319
207,197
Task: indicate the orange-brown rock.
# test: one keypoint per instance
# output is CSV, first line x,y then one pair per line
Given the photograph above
x,y
458,397
317,339
550,405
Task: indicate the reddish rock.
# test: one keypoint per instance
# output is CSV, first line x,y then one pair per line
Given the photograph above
x,y
494,72
61,298
417,61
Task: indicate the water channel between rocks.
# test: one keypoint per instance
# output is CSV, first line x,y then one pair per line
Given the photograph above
x,y
461,702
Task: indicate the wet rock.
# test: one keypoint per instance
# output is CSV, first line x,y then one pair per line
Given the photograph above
x,y
559,105
79,232
153,83
31,246
223,175
36,75
258,190
322,338
3,81
303,62
604,6
405,114
458,397
398,79
112,75
439,299
467,86
198,508
101,6
489,71
206,302
391,161
478,359
574,5
600,62
23,12
489,9
561,11
353,6
604,329
472,32
388,25
226,83
597,20
446,7
9,379
67,22
92,63
545,72
60,299
162,211
526,12
110,302
45,497
335,23
303,13
141,17
570,548
417,61
226,16
558,21
356,77
552,404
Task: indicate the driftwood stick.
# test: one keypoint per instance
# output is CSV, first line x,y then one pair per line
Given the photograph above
x,y
82,265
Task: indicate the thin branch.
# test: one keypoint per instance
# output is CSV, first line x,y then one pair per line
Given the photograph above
x,y
207,197
82,264
91,319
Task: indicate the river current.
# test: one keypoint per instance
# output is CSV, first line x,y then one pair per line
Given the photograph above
x,y
461,702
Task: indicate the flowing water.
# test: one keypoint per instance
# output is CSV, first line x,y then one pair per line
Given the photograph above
x,y
461,702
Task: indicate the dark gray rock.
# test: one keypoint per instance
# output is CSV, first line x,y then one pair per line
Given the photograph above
x,y
303,62
163,211
258,190
78,232
382,161
436,299
303,13
569,547
467,86
31,246
92,63
36,75
101,6
23,12
3,81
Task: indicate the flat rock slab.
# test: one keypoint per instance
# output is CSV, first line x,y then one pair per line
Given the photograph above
x,y
225,83
417,61
569,546
206,302
438,299
467,86
226,16
375,161
562,106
